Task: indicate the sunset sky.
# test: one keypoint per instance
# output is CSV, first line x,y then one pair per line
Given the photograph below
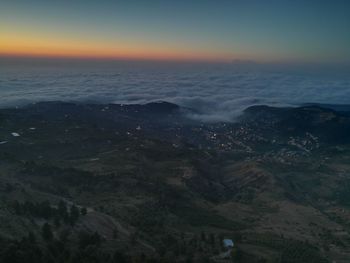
x,y
217,30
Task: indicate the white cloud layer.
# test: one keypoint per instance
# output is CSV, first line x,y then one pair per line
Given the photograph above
x,y
217,93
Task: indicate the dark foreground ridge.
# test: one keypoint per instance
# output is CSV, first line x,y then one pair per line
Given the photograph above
x,y
146,183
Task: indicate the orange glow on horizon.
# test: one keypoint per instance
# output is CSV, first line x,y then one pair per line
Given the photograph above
x,y
48,47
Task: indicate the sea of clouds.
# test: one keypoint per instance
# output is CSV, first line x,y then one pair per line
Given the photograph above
x,y
217,92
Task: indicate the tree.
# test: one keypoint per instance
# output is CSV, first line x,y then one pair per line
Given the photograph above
x,y
44,209
74,214
47,232
83,211
64,235
119,257
31,238
189,259
212,239
236,254
203,237
115,233
86,239
17,207
57,221
62,211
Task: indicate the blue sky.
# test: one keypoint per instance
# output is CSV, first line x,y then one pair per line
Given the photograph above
x,y
302,31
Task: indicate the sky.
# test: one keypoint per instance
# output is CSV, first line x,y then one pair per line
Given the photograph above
x,y
314,31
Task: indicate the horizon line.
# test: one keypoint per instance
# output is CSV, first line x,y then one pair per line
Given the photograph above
x,y
233,61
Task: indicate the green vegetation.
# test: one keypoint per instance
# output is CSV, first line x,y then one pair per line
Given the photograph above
x,y
89,186
47,211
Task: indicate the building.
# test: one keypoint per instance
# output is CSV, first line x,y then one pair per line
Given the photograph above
x,y
228,243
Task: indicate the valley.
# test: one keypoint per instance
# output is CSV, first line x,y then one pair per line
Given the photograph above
x,y
148,183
